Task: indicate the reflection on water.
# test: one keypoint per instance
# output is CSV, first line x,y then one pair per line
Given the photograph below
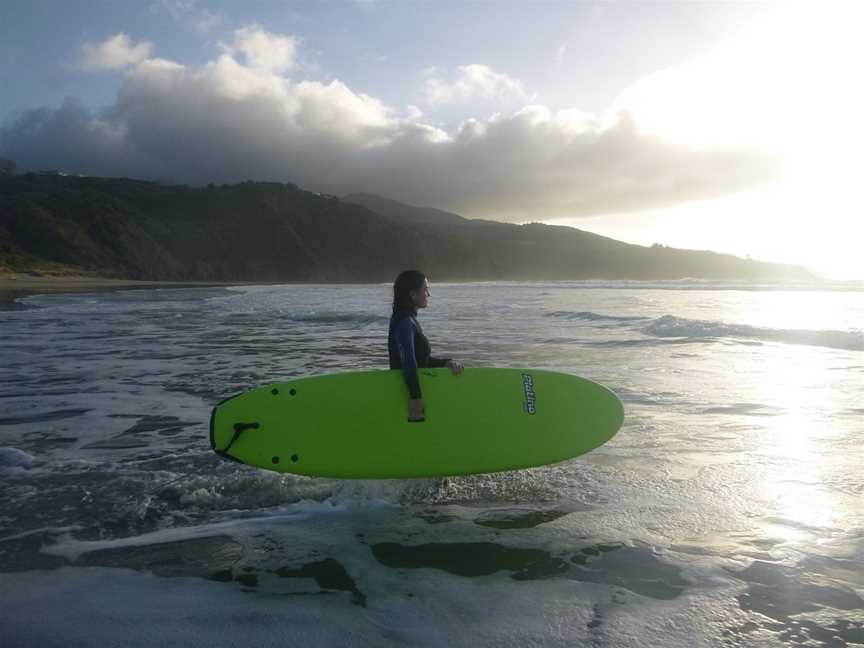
x,y
797,443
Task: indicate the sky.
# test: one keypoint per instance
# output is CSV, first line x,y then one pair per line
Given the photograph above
x,y
729,126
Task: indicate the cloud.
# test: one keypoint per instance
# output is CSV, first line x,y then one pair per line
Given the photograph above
x,y
72,138
241,117
114,53
264,51
470,82
762,87
188,14
539,164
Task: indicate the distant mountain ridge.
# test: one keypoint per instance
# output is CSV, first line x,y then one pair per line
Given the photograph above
x,y
261,231
404,213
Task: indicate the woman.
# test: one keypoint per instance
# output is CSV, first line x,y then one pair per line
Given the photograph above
x,y
408,347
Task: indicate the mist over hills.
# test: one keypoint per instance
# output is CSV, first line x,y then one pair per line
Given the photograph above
x,y
261,231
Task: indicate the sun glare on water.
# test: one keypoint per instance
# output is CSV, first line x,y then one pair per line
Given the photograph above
x,y
798,389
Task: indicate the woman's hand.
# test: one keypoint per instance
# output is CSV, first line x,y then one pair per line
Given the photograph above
x,y
455,366
416,410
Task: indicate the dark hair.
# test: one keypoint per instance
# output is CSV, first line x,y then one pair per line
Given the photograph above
x,y
406,282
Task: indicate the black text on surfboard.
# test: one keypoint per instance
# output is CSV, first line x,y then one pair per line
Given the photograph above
x,y
530,404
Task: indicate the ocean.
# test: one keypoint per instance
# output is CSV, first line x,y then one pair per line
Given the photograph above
x,y
728,511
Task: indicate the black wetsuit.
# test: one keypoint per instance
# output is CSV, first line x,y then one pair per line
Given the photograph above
x,y
410,349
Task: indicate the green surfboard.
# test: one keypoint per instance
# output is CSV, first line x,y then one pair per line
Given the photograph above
x,y
355,425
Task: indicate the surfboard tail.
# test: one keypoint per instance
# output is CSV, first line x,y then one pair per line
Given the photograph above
x,y
222,452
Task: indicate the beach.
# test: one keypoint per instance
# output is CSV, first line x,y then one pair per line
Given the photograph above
x,y
17,285
726,511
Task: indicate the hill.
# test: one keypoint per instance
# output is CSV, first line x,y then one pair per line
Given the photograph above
x,y
404,213
259,231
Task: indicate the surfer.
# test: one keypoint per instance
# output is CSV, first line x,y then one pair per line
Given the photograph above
x,y
409,348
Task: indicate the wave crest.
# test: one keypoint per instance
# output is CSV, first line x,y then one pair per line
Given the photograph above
x,y
670,326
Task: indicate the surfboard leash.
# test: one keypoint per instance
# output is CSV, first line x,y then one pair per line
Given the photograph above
x,y
239,428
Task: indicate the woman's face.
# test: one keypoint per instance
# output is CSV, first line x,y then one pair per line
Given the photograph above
x,y
421,297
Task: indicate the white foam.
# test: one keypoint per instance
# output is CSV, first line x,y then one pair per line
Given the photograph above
x,y
113,607
671,326
237,522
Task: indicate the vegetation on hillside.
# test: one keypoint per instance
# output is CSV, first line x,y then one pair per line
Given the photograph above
x,y
261,231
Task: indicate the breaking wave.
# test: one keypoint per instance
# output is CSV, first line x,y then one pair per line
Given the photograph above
x,y
670,326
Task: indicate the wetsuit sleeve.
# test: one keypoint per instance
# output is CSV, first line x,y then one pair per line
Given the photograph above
x,y
405,341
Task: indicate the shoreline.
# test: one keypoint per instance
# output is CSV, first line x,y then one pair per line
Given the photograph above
x,y
13,287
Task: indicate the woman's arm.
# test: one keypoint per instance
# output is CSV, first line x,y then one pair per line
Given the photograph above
x,y
407,356
408,359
